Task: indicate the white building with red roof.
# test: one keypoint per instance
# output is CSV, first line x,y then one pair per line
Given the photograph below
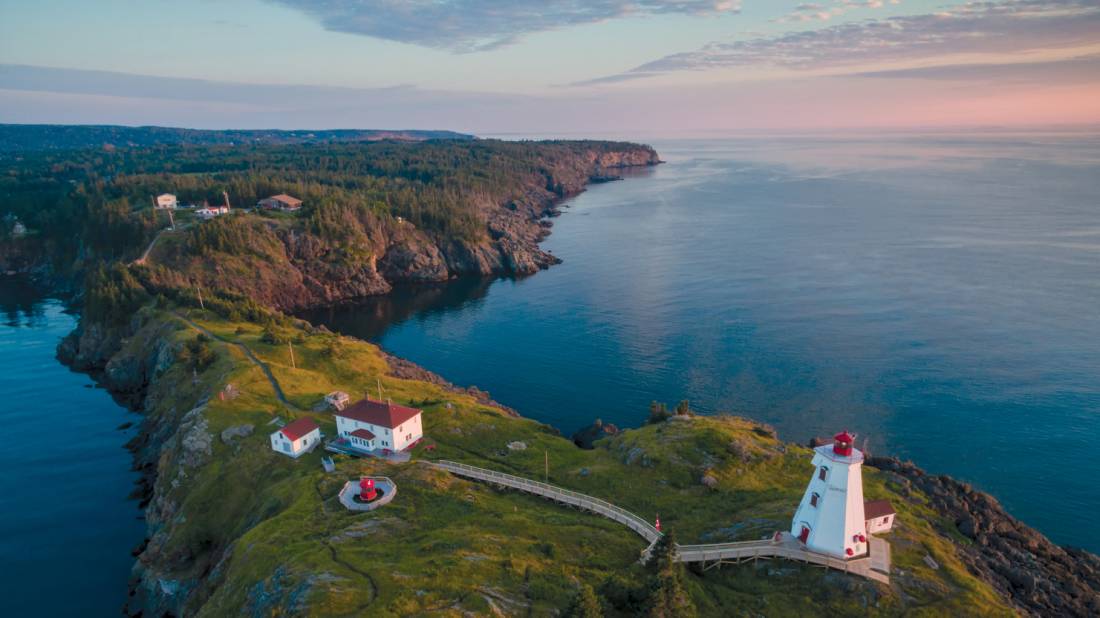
x,y
297,438
370,425
830,519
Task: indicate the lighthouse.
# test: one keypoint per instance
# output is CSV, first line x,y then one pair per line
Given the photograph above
x,y
830,519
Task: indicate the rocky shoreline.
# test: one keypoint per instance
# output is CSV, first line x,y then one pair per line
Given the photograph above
x,y
294,269
1037,576
1023,565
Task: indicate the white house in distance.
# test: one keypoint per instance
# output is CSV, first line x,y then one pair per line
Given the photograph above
x,y
280,202
296,438
880,516
167,200
209,212
370,425
830,519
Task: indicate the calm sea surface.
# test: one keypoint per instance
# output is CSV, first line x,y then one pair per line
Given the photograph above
x,y
938,295
64,475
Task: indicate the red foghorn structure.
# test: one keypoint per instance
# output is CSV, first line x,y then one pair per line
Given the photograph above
x,y
367,491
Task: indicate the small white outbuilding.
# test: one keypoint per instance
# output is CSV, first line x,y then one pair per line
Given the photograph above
x,y
167,200
296,438
880,516
337,400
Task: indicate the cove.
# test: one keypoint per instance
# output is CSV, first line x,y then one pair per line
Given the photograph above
x,y
935,294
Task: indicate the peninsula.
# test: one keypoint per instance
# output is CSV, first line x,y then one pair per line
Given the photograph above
x,y
186,319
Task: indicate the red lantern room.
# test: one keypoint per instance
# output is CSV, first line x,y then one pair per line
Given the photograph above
x,y
842,444
367,492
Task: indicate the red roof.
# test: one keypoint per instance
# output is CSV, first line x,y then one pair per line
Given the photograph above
x,y
299,428
845,437
873,509
363,433
381,413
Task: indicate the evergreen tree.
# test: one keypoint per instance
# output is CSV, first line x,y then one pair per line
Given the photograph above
x,y
585,604
658,413
667,597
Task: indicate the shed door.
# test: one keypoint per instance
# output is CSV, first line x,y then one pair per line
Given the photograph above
x,y
805,534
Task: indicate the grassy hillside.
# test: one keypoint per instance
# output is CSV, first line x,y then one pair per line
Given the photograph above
x,y
241,529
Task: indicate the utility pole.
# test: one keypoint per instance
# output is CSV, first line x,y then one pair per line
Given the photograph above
x,y
198,288
546,464
291,344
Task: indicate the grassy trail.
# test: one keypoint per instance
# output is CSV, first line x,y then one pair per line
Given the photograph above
x,y
251,356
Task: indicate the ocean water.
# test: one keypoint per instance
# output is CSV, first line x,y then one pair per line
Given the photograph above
x,y
939,295
67,524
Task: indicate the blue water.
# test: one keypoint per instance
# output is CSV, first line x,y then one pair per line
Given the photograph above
x,y
938,295
64,475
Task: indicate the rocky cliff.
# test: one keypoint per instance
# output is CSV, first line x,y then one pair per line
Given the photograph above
x,y
290,266
1039,577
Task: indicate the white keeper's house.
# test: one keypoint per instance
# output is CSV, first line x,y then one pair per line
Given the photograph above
x,y
830,519
296,438
370,425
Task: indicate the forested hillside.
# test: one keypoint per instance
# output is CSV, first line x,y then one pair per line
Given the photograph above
x,y
31,137
374,213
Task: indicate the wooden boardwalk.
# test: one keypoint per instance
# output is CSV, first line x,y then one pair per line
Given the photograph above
x,y
876,567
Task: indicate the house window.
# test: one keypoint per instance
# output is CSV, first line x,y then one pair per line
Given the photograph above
x,y
885,520
813,499
824,472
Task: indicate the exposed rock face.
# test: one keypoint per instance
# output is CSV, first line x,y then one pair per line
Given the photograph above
x,y
231,434
1040,577
292,268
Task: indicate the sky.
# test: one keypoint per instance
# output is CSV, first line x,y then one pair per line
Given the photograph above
x,y
552,67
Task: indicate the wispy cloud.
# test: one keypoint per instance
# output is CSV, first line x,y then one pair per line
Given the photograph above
x,y
1076,70
987,26
814,11
479,25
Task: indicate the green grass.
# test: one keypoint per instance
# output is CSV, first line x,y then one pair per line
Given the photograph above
x,y
265,535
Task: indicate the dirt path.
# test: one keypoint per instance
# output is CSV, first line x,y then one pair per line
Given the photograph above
x,y
251,356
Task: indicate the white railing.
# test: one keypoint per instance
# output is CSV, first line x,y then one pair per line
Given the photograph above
x,y
601,507
713,552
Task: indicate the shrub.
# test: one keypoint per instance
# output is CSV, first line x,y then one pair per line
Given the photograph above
x,y
658,413
585,604
270,337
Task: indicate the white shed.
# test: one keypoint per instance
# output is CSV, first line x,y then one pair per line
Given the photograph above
x,y
337,400
167,200
880,516
296,438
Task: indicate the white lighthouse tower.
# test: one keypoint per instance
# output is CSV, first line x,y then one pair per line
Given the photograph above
x,y
829,520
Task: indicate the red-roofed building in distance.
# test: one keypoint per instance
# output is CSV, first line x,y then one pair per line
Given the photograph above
x,y
280,202
370,425
297,438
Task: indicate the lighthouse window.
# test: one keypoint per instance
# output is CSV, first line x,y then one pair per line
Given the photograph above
x,y
823,473
813,499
